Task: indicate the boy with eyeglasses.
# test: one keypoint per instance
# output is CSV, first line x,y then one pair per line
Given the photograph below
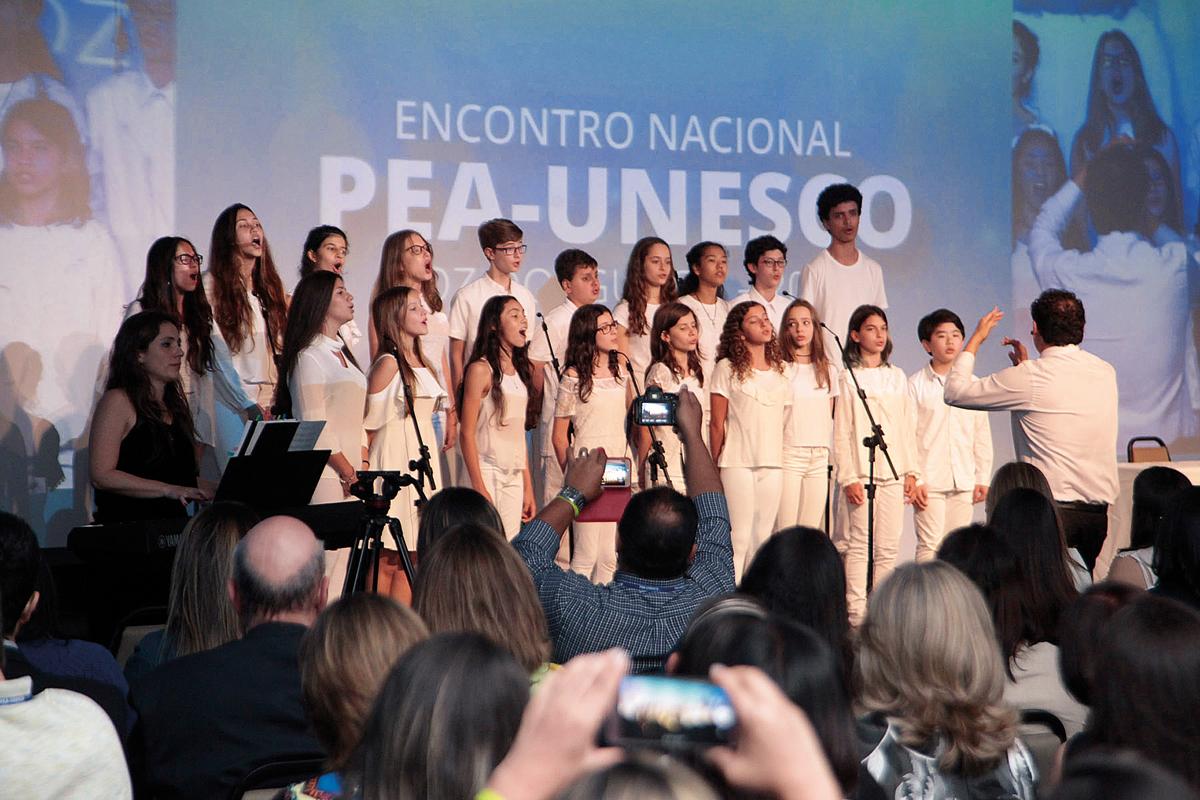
x,y
500,240
765,260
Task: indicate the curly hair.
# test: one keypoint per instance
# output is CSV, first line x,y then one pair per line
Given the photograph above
x,y
487,348
636,288
581,347
158,294
230,306
733,343
660,350
929,660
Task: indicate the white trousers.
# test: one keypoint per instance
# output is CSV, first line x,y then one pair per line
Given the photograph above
x,y
946,511
805,482
507,488
595,555
889,522
753,497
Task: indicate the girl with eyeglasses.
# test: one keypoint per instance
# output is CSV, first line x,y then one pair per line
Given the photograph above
x,y
326,248
172,286
406,259
594,398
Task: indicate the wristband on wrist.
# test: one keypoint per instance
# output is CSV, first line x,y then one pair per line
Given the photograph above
x,y
574,497
489,794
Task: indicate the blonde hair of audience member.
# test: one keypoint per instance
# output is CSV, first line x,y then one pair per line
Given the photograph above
x,y
929,660
641,776
345,657
200,615
472,579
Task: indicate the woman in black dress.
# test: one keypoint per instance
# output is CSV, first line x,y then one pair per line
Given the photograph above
x,y
143,451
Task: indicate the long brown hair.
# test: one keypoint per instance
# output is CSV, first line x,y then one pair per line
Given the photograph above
x,y
733,343
487,348
816,347
310,304
636,288
660,352
388,313
581,347
158,294
230,306
125,372
391,268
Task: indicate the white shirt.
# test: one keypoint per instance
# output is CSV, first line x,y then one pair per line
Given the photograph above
x,y
61,293
775,307
808,421
133,141
323,388
433,343
887,392
836,289
469,302
1064,416
710,321
639,343
58,744
954,446
558,324
754,417
1139,319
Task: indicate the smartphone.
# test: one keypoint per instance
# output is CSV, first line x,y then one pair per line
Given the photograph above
x,y
670,713
617,472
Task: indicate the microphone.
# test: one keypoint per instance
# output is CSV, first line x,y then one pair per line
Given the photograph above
x,y
786,293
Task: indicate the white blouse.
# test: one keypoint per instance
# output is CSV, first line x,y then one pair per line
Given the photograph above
x,y
639,344
500,438
755,416
710,321
599,420
323,388
887,393
808,421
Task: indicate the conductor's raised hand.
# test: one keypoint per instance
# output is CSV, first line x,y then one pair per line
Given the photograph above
x,y
585,471
689,415
1019,353
984,329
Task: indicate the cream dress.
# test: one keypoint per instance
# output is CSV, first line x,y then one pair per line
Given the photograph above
x,y
395,442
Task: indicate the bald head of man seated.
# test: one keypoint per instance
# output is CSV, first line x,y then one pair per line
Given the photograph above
x,y
278,574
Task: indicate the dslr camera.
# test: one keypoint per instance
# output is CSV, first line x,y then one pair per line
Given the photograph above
x,y
655,407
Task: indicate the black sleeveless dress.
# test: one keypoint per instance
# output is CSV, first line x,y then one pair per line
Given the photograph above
x,y
158,452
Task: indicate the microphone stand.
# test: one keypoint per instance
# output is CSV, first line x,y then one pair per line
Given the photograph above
x,y
550,345
657,457
872,442
423,466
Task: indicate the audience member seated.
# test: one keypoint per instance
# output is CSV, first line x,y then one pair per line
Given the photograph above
x,y
444,719
1083,635
1177,550
644,776
738,631
1120,775
200,615
672,553
344,659
1018,474
798,574
1030,653
454,505
56,743
1153,490
208,718
777,753
47,651
20,558
1145,694
933,679
473,580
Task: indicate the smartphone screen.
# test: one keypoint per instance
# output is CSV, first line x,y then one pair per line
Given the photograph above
x,y
670,713
617,472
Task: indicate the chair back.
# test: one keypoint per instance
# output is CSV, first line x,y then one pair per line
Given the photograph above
x,y
1042,732
133,627
264,781
1142,449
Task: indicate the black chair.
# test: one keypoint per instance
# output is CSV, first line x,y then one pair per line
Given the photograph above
x,y
1043,732
133,627
264,781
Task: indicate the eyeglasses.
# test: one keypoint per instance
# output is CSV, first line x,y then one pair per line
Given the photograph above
x,y
187,259
512,251
771,263
607,327
417,249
